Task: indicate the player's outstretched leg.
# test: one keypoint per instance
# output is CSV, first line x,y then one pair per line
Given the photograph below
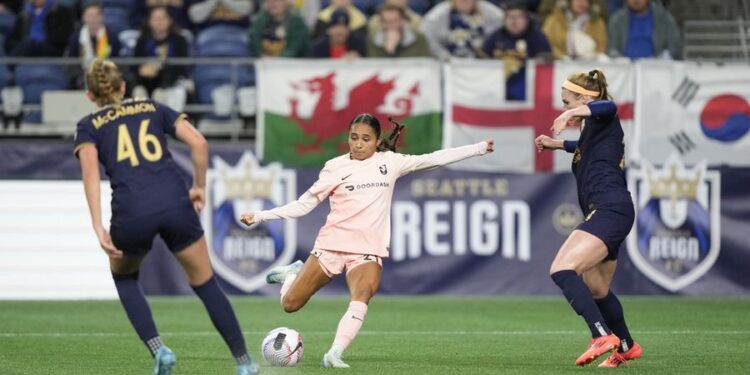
x,y
612,311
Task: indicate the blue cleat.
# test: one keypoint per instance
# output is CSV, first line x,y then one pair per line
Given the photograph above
x,y
251,368
164,361
277,275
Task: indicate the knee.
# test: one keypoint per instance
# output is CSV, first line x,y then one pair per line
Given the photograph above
x,y
291,305
363,295
599,291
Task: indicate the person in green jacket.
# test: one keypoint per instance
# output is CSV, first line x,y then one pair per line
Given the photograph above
x,y
394,37
278,31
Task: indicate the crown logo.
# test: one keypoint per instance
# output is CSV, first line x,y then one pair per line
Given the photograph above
x,y
246,181
676,184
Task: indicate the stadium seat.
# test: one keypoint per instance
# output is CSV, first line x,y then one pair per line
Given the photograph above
x,y
209,78
34,80
420,6
117,19
7,20
228,41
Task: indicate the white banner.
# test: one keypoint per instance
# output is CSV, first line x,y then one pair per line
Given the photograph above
x,y
699,111
476,109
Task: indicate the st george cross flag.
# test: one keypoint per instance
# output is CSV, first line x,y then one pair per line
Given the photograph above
x,y
476,109
698,111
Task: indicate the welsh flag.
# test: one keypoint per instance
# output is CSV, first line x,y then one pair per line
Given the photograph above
x,y
476,109
305,106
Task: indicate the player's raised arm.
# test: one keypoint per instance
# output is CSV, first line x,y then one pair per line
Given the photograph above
x,y
412,163
89,159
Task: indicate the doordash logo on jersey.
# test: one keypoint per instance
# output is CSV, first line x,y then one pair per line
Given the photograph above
x,y
242,255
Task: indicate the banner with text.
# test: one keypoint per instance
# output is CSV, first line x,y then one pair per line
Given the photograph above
x,y
453,231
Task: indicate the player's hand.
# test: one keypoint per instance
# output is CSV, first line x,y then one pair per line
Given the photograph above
x,y
544,142
198,197
565,120
105,241
248,218
490,144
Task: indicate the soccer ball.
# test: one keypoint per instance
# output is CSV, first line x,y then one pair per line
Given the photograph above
x,y
282,347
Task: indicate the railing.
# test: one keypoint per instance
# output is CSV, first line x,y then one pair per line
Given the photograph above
x,y
717,41
234,127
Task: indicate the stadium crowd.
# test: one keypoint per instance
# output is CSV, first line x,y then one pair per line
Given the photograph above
x,y
511,30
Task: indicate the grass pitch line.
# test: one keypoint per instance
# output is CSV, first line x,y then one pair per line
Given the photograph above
x,y
375,333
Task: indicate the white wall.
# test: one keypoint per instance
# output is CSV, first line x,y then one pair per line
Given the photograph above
x,y
48,249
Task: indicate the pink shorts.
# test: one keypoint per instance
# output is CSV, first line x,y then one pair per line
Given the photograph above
x,y
334,263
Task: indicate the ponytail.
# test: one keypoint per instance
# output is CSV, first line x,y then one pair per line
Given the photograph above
x,y
390,143
593,80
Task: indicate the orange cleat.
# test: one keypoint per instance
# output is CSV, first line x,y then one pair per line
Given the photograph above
x,y
617,358
598,346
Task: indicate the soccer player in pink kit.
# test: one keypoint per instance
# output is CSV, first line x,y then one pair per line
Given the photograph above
x,y
357,232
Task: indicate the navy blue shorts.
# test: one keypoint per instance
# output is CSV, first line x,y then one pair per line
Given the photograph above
x,y
611,223
179,227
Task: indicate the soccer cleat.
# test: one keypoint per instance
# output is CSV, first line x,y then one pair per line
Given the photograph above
x,y
277,275
598,346
164,360
331,360
617,358
251,368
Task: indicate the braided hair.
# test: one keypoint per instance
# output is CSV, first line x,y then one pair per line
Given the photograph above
x,y
103,80
389,143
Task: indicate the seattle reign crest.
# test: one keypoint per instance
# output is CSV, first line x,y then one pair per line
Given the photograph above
x,y
676,236
242,256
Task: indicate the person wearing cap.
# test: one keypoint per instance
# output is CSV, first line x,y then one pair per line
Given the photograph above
x,y
395,38
339,41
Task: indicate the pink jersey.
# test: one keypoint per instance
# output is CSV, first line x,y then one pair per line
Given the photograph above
x,y
360,192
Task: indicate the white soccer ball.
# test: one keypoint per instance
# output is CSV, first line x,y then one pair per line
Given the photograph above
x,y
282,347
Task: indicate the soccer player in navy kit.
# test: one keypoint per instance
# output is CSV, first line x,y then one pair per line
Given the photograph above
x,y
149,197
585,264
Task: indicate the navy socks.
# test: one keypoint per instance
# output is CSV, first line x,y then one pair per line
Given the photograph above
x,y
137,309
611,310
579,297
223,318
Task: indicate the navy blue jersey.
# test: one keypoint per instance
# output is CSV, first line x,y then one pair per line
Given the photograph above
x,y
132,143
598,160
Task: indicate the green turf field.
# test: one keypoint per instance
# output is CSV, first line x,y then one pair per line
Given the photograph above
x,y
401,335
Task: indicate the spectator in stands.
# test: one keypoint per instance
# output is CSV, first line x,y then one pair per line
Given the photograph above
x,y
309,10
357,19
459,27
41,29
413,18
518,40
576,30
207,13
160,39
177,11
339,41
614,5
93,39
546,7
278,30
13,6
644,29
395,37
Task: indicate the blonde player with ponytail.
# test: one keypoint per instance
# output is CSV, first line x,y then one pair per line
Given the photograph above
x,y
586,262
149,197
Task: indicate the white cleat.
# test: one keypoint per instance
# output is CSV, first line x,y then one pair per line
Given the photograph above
x,y
277,275
331,360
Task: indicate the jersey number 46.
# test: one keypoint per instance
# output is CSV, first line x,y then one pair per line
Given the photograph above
x,y
148,145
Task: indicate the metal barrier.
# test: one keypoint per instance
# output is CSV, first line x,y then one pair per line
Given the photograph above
x,y
717,41
235,127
